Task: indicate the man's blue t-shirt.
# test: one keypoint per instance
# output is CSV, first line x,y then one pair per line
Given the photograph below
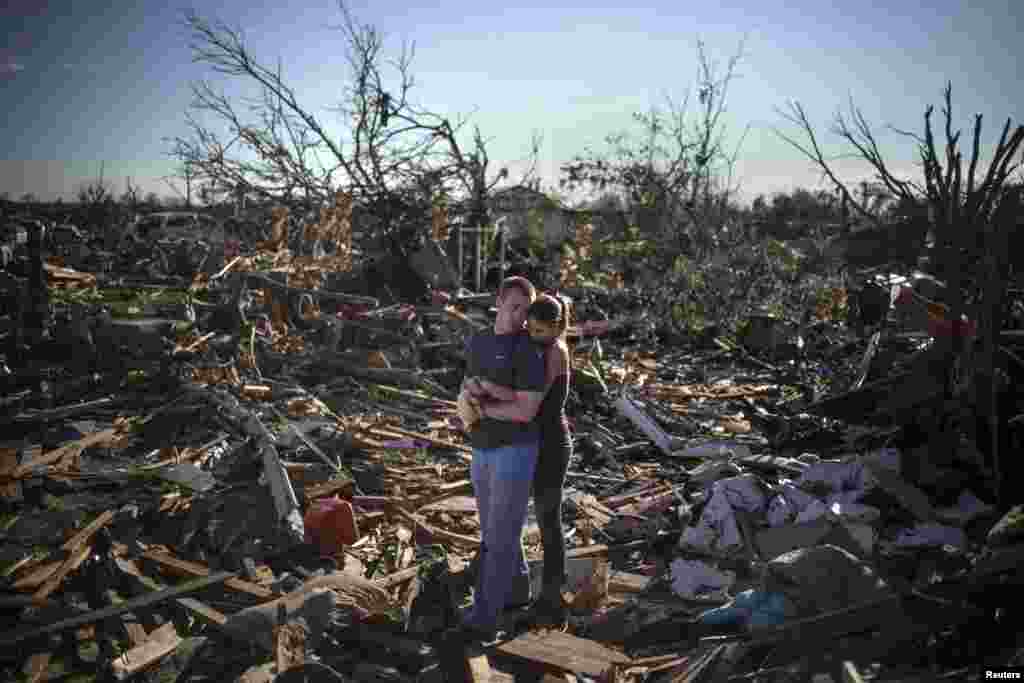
x,y
509,360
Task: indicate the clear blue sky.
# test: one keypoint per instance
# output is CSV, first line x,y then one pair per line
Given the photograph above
x,y
86,82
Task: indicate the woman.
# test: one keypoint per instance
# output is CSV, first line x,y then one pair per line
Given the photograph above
x,y
547,321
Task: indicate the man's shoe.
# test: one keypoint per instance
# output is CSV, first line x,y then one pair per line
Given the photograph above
x,y
467,634
552,613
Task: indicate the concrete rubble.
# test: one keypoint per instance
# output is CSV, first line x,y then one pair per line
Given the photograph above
x,y
244,463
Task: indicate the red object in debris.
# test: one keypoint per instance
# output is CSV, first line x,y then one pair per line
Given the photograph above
x,y
905,296
331,524
232,248
942,327
440,298
352,311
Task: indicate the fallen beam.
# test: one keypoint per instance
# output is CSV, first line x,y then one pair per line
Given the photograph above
x,y
12,638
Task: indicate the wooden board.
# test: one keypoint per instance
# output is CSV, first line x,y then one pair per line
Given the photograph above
x,y
553,650
596,550
196,569
162,642
136,633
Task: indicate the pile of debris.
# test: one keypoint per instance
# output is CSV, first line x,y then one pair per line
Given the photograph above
x,y
270,455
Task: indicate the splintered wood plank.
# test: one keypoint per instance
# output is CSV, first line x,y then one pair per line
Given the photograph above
x,y
162,642
289,646
562,652
188,568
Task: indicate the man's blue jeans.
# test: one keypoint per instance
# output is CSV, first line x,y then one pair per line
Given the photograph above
x,y
501,481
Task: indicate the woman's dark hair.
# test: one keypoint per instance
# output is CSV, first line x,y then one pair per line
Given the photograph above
x,y
551,309
520,283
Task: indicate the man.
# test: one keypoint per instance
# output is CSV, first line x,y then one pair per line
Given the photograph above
x,y
505,380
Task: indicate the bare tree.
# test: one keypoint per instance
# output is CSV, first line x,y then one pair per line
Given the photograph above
x,y
132,196
96,199
972,218
186,173
95,192
285,153
956,201
677,174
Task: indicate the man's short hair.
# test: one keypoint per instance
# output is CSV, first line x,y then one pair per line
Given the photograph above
x,y
520,283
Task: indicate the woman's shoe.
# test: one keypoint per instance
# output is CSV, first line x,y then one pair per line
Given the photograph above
x,y
467,634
